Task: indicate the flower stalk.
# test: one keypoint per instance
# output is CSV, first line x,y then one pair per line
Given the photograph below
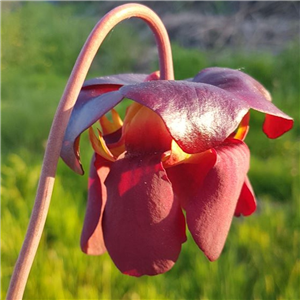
x,y
71,92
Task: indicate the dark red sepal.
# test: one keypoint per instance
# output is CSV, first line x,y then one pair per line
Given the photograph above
x,y
198,116
247,88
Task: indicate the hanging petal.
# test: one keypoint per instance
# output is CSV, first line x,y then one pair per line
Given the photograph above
x,y
143,226
82,118
246,205
247,88
275,126
187,177
210,212
92,242
198,116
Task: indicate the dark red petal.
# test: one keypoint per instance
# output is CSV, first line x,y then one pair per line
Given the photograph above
x,y
246,204
275,126
247,88
82,117
198,116
186,178
144,226
210,212
92,242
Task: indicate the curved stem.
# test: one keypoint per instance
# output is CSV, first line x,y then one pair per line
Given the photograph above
x,y
77,77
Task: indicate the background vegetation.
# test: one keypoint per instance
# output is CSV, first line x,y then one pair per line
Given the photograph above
x,y
40,42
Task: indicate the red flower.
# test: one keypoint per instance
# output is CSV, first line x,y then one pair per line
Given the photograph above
x,y
180,147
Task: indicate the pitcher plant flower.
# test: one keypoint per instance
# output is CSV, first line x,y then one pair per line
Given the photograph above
x,y
181,147
178,158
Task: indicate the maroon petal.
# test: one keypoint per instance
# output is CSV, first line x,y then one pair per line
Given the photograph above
x,y
143,226
246,204
186,178
92,242
198,116
275,126
210,212
245,87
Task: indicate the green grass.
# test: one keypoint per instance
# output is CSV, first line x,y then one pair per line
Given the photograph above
x,y
261,256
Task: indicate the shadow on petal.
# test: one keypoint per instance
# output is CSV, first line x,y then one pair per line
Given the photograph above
x,y
187,177
92,242
209,214
143,226
246,205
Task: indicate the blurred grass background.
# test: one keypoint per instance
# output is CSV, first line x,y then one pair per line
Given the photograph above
x,y
40,43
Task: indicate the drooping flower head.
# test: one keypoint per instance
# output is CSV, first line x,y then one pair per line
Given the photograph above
x,y
181,147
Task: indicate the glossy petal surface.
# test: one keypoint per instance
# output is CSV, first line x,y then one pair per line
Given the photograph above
x,y
198,116
92,242
246,204
210,212
143,226
247,88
